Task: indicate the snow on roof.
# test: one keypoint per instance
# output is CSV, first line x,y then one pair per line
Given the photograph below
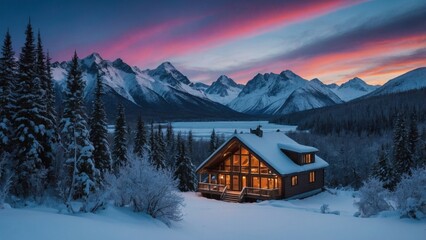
x,y
296,147
268,147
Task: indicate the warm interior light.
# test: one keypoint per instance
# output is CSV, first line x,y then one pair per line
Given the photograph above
x,y
221,177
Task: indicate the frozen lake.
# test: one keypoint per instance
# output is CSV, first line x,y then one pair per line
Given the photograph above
x,y
227,128
204,129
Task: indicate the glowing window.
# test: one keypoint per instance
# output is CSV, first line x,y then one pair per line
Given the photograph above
x,y
244,151
294,181
254,164
312,177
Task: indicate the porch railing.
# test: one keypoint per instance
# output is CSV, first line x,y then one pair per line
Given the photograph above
x,y
210,187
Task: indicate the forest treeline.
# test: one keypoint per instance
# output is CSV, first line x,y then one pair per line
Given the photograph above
x,y
374,115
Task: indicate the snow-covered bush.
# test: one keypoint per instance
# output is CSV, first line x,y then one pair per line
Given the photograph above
x,y
146,189
410,194
372,198
325,209
5,178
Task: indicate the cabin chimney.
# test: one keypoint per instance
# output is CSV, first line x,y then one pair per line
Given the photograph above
x,y
258,132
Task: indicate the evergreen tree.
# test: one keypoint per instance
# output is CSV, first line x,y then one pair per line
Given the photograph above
x,y
120,142
382,170
169,135
31,125
184,171
140,138
160,149
152,143
170,146
99,131
402,160
50,99
213,142
413,136
190,143
83,175
7,83
49,139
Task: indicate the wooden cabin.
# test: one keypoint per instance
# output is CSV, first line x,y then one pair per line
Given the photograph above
x,y
260,166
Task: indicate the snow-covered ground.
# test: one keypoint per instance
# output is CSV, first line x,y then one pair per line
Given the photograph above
x,y
212,219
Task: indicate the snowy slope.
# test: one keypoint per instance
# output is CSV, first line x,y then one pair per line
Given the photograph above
x,y
160,91
267,94
206,218
200,86
305,98
223,90
411,80
352,89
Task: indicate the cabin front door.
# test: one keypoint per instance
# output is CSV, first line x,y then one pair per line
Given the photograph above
x,y
243,182
235,183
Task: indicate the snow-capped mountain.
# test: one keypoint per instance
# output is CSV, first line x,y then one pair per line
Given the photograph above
x,y
415,79
160,92
268,93
305,98
352,89
223,90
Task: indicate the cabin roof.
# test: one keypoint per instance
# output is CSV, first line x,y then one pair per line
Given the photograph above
x,y
268,147
296,147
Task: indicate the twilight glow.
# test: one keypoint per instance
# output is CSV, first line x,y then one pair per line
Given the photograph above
x,y
333,40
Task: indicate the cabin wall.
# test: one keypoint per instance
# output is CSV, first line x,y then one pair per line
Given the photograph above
x,y
303,184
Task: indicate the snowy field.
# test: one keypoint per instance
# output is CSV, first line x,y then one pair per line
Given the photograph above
x,y
204,129
212,219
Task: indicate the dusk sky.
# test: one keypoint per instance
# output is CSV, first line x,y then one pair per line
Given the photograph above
x,y
332,40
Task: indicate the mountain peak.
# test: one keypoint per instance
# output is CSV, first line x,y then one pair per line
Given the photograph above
x,y
225,80
288,73
167,66
92,58
120,64
356,83
317,81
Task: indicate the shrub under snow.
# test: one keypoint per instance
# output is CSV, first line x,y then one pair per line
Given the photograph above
x,y
410,194
372,198
146,189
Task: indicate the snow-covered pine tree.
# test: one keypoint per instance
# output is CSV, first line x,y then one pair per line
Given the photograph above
x,y
30,125
99,131
184,170
413,137
190,141
160,160
50,99
83,175
402,160
382,170
140,138
170,147
49,139
155,155
119,152
169,135
152,143
213,142
7,83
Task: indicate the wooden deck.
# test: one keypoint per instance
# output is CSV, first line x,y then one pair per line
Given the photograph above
x,y
223,193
